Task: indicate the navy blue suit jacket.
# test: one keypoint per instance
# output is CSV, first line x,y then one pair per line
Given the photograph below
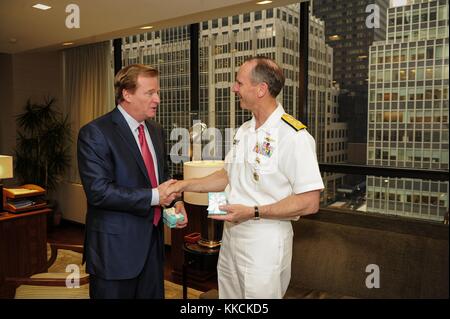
x,y
119,219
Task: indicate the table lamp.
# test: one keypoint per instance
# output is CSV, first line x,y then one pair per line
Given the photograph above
x,y
211,235
6,171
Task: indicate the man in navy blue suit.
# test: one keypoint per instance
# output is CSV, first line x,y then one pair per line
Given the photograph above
x,y
123,168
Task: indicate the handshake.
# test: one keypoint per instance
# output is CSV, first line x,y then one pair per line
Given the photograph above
x,y
170,190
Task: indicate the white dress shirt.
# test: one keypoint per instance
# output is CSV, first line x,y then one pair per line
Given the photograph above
x,y
134,126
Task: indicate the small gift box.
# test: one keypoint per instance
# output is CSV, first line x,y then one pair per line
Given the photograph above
x,y
170,217
214,201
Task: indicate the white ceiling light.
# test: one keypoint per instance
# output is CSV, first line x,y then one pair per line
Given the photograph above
x,y
41,6
264,2
146,27
67,43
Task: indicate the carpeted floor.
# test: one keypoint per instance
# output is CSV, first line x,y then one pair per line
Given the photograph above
x,y
58,269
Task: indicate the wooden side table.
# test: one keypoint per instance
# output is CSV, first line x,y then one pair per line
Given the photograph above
x,y
200,263
23,246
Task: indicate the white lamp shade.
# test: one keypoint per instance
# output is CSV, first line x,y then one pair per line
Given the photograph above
x,y
6,166
198,169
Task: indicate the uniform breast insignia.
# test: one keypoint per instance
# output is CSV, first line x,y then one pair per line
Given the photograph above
x,y
293,122
264,149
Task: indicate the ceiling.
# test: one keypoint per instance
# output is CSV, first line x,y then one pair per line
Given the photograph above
x,y
25,29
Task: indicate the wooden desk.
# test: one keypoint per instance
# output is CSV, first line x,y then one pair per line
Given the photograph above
x,y
23,246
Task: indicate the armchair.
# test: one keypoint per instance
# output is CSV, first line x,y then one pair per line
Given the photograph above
x,y
52,284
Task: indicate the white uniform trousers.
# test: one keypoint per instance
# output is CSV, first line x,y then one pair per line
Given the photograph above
x,y
255,259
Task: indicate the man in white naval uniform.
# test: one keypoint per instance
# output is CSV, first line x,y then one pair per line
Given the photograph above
x,y
271,176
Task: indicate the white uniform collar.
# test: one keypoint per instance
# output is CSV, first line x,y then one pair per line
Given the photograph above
x,y
271,121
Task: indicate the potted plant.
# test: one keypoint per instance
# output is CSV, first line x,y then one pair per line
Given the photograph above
x,y
42,153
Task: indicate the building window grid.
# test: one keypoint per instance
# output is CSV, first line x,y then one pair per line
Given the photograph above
x,y
387,107
408,197
401,28
428,205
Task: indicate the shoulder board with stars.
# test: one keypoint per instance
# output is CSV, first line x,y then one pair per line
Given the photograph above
x,y
293,122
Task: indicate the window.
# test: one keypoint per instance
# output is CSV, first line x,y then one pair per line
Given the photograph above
x,y
420,53
224,22
389,97
430,53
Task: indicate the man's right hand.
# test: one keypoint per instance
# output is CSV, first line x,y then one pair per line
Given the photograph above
x,y
178,187
166,194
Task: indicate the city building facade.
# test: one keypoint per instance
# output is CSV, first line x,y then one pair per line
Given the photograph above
x,y
350,36
408,110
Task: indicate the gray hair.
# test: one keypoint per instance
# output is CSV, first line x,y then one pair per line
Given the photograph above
x,y
267,71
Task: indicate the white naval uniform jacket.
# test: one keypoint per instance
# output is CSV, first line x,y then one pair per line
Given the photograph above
x,y
264,166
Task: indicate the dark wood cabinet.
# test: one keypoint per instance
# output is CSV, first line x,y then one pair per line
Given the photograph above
x,y
23,246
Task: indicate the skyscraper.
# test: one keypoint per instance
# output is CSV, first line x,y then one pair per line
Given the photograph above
x,y
323,118
408,109
350,38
